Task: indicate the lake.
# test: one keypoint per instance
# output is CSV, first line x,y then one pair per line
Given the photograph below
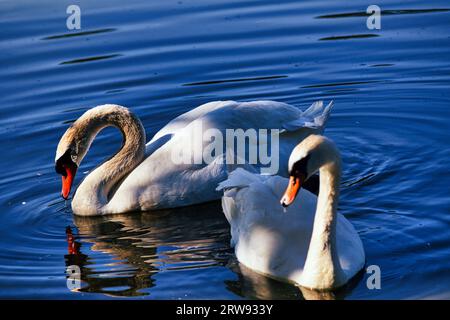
x,y
163,58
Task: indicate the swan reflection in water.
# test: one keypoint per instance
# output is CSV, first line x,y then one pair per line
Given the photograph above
x,y
252,285
127,282
143,244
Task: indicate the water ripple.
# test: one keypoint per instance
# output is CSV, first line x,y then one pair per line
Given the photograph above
x,y
90,59
79,34
350,37
383,12
202,83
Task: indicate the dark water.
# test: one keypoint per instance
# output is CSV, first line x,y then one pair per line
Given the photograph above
x,y
162,58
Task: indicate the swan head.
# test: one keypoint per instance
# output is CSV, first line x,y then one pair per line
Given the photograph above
x,y
314,152
77,139
71,150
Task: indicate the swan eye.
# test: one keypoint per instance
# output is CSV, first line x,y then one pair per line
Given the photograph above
x,y
63,162
300,167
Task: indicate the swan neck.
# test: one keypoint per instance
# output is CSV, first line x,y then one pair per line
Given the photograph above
x,y
93,194
327,203
322,267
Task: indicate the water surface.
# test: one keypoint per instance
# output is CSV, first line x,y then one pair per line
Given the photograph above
x,y
163,58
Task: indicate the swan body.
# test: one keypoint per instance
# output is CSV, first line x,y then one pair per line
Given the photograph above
x,y
308,243
144,176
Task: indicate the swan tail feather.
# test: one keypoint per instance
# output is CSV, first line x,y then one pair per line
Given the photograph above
x,y
315,117
239,178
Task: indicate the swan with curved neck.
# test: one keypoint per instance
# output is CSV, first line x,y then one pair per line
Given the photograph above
x,y
310,244
94,191
144,176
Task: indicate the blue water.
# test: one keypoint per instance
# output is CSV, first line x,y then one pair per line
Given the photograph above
x,y
163,58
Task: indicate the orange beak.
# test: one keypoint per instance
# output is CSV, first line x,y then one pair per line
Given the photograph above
x,y
295,183
67,180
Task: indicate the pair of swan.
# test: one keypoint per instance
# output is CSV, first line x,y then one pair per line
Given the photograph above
x,y
143,177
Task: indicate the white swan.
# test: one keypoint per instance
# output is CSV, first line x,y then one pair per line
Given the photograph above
x,y
308,243
144,177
